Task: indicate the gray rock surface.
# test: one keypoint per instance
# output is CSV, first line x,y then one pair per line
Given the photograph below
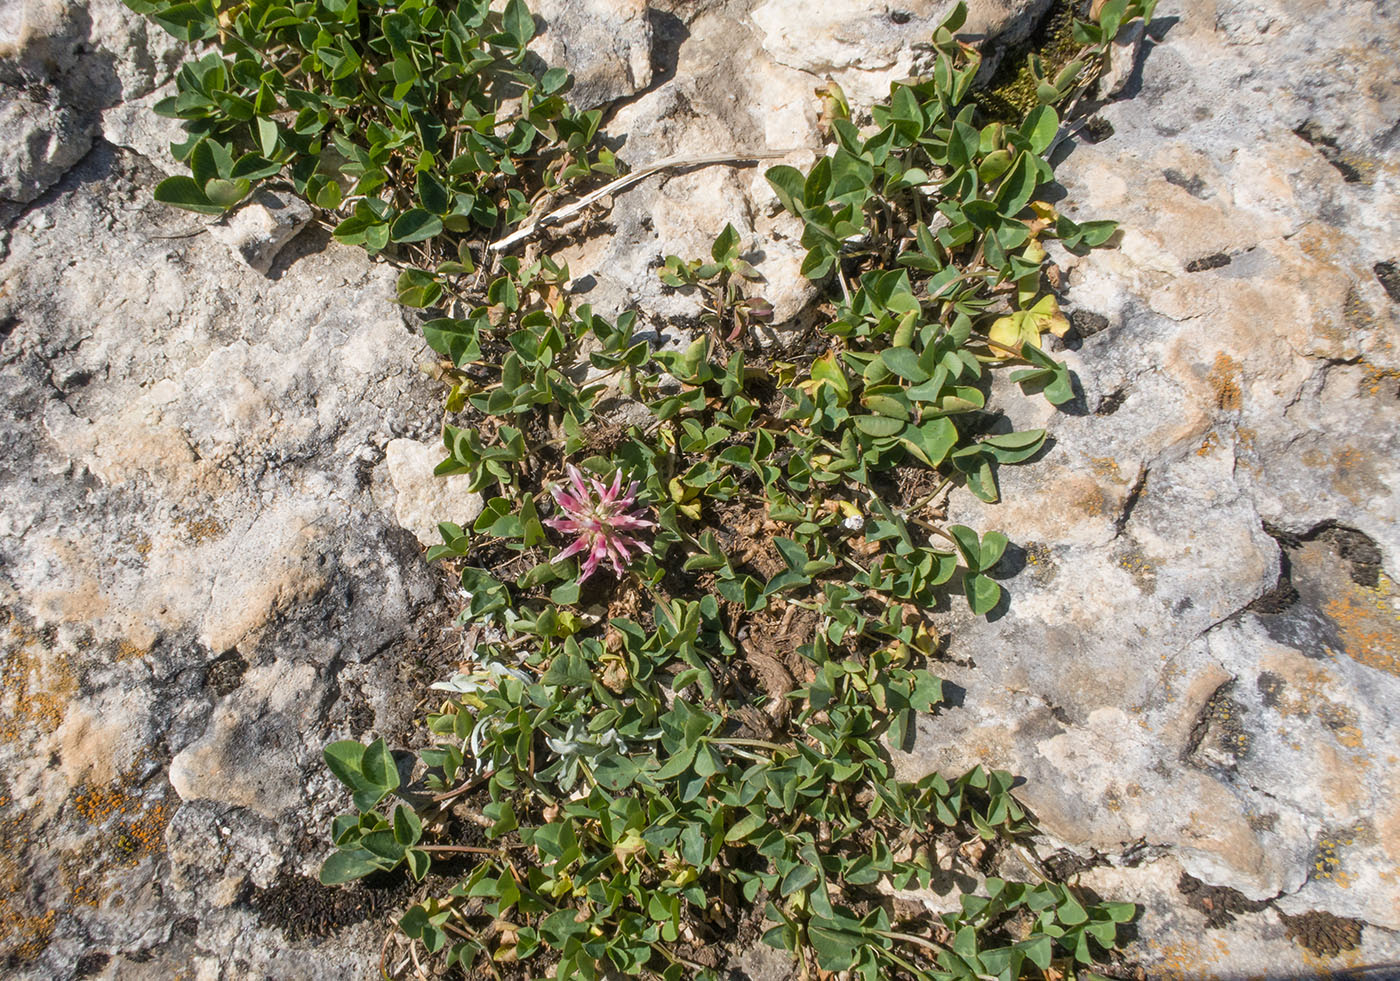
x,y
1197,672
863,46
421,499
605,44
258,228
199,584
213,479
63,68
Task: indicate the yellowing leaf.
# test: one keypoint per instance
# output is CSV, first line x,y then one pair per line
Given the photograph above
x,y
1047,316
1007,333
826,370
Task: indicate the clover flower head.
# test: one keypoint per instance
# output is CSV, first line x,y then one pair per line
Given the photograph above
x,y
604,518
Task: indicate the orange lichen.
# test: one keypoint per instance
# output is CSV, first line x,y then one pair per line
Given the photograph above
x,y
1325,964
130,823
1342,720
140,543
1105,466
1356,312
1304,695
1224,383
1184,959
27,935
36,681
205,529
1369,623
134,840
1132,561
24,932
1376,380
127,651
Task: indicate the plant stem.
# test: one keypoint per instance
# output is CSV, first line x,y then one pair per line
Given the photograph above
x,y
928,499
471,849
908,966
756,743
467,787
924,942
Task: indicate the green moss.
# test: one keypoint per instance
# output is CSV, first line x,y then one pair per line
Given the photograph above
x,y
1010,94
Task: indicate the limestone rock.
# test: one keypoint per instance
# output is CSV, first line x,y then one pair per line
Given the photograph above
x,y
605,45
74,63
864,47
197,574
256,773
39,142
422,500
727,96
207,473
134,126
40,35
258,229
1196,668
1002,22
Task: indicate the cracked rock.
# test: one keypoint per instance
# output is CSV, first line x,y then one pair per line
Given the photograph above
x,y
261,226
205,572
422,500
39,143
606,45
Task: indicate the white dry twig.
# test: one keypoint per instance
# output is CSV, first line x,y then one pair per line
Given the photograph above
x,y
625,181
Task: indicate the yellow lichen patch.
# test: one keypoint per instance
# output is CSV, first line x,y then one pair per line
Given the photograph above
x,y
1356,312
1040,562
139,543
1325,964
1209,445
204,529
1369,623
1354,477
36,681
1379,380
1184,960
1106,466
24,931
1132,561
1327,855
1224,383
127,651
1088,498
1342,720
1113,800
1294,688
25,936
130,825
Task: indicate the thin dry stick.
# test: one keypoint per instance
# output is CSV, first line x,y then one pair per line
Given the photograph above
x,y
468,849
627,180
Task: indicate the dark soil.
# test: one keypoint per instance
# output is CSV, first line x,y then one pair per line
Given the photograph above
x,y
1356,549
225,674
1216,260
1065,863
301,907
1389,275
1322,933
1220,904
